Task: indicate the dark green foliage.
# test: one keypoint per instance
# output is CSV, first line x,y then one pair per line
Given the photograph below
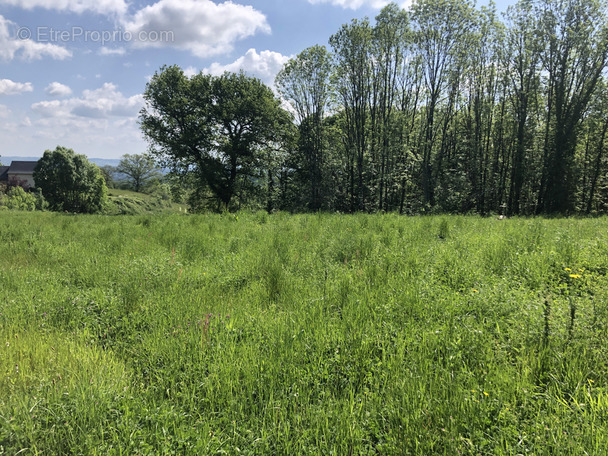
x,y
218,129
69,182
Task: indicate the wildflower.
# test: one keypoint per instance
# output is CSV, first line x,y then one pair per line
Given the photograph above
x,y
568,270
475,291
486,394
575,276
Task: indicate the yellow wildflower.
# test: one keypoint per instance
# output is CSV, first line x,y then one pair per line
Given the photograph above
x,y
575,276
568,270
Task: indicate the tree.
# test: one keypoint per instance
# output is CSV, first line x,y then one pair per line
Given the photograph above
x,y
523,55
69,182
107,171
575,35
304,83
389,50
139,169
218,129
441,31
353,66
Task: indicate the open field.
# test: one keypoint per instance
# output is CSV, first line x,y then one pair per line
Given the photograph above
x,y
308,334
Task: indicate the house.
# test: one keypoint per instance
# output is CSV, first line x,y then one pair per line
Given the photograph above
x,y
19,173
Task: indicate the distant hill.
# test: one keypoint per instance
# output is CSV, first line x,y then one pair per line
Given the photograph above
x,y
6,160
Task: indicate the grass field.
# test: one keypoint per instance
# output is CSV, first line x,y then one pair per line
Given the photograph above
x,y
308,334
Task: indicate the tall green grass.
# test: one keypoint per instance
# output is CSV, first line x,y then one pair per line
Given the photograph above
x,y
308,334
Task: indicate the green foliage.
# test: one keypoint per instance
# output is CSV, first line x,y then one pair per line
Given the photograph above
x,y
107,171
444,108
304,83
126,202
262,333
217,129
69,182
139,169
17,198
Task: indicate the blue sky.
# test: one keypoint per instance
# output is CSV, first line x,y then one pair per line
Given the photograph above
x,y
72,71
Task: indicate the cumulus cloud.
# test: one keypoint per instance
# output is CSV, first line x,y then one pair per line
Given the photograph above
x,y
102,103
56,89
190,71
264,65
8,87
26,49
76,6
356,4
202,27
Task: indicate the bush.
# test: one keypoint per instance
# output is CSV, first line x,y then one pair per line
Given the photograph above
x,y
69,182
16,198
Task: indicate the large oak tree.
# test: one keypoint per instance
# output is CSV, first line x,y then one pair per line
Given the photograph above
x,y
218,129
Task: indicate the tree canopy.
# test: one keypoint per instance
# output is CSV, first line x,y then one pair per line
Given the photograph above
x,y
69,182
443,107
139,169
217,129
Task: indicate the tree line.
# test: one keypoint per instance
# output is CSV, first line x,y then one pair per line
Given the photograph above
x,y
444,107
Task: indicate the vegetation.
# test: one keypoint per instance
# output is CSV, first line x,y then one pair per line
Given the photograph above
x,y
69,182
307,334
139,170
126,202
16,198
216,129
440,108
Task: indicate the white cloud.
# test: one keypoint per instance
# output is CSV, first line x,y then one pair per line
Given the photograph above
x,y
264,65
76,6
56,89
190,71
98,122
8,87
11,45
199,26
356,4
102,103
109,51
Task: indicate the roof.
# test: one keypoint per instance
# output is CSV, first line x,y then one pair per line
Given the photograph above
x,y
22,167
4,173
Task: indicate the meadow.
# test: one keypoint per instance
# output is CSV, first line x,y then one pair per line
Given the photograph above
x,y
302,334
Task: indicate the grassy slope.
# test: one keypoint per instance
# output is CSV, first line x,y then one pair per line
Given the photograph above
x,y
309,334
127,202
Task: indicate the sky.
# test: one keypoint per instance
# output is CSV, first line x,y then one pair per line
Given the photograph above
x,y
72,72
